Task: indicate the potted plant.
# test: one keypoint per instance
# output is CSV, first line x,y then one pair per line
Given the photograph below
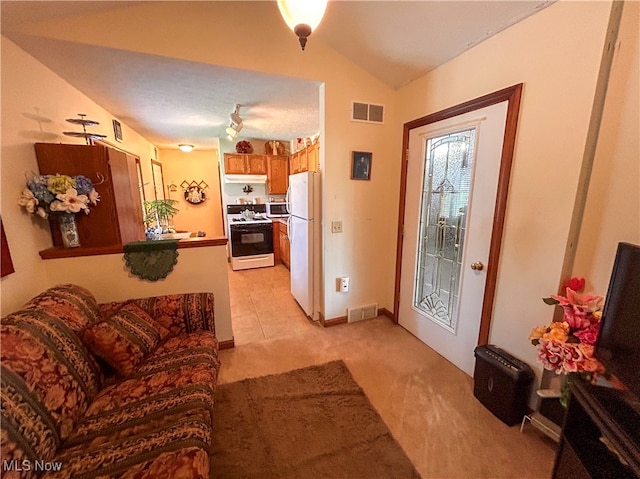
x,y
158,214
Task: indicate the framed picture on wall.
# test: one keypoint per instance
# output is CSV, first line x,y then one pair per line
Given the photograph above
x,y
117,130
361,165
158,180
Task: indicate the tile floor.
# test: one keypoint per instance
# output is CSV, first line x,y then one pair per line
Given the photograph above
x,y
426,402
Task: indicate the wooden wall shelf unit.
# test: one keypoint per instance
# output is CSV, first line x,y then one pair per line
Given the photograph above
x,y
601,435
117,218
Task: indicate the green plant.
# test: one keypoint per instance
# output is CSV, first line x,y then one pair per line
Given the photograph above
x,y
159,212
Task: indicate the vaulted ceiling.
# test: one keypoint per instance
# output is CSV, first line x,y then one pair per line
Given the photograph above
x,y
395,41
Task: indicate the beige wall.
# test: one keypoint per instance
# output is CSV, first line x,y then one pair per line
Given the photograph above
x,y
557,99
612,212
197,270
197,166
365,250
555,53
35,104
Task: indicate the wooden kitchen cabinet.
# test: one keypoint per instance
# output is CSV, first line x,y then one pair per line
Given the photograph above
x,y
285,249
277,175
307,159
117,218
313,157
257,164
241,164
298,162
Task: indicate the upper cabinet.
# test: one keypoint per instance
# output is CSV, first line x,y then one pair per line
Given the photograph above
x,y
277,175
117,218
241,164
307,159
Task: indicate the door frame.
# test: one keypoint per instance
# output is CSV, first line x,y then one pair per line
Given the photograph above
x,y
512,95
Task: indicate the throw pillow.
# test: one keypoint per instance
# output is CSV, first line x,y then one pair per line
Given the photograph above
x,y
123,340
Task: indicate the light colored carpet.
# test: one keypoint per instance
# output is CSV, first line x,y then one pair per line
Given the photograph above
x,y
314,422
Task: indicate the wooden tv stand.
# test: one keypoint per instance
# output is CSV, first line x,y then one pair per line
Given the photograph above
x,y
601,435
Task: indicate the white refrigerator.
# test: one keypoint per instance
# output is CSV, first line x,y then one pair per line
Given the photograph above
x,y
304,237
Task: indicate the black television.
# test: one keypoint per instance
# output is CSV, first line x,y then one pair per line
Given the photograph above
x,y
618,344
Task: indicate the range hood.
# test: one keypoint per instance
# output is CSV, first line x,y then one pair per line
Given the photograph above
x,y
245,179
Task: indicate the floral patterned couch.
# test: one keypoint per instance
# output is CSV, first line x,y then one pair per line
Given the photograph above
x,y
117,390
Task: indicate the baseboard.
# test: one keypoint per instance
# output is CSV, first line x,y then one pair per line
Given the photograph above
x,y
343,319
331,322
228,344
387,313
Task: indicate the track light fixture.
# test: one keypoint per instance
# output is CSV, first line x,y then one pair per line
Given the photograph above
x,y
236,124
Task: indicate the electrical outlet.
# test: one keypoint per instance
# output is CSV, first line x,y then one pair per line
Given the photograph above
x,y
336,226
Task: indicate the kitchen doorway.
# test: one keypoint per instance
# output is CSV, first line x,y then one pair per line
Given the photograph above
x,y
455,181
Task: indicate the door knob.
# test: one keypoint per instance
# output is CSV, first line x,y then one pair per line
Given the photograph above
x,y
477,266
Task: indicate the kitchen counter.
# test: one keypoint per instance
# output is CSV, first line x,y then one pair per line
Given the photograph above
x,y
53,253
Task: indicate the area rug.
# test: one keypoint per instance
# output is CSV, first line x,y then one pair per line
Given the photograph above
x,y
314,422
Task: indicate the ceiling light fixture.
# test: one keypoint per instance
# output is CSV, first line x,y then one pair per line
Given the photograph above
x,y
186,148
302,16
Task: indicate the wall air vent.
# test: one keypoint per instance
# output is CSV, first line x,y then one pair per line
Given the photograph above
x,y
367,112
364,312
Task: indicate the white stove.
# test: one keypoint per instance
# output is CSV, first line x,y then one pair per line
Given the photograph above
x,y
250,236
257,218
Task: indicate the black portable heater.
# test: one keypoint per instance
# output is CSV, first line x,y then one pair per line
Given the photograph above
x,y
501,383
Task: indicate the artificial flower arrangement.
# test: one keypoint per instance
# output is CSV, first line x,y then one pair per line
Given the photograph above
x,y
46,194
566,346
244,146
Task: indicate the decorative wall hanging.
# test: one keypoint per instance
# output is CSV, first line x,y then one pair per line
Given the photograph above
x,y
194,192
247,189
361,165
84,134
151,260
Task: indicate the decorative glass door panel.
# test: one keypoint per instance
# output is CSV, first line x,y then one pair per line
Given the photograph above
x,y
446,187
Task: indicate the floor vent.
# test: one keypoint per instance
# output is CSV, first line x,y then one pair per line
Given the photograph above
x,y
363,312
367,112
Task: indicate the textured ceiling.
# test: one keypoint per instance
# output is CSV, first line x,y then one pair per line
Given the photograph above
x,y
171,101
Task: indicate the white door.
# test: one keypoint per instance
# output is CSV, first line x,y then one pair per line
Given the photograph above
x,y
300,195
301,262
452,180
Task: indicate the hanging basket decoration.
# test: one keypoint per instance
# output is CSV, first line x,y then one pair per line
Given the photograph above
x,y
244,147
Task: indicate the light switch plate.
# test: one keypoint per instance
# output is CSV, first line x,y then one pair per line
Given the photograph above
x,y
336,226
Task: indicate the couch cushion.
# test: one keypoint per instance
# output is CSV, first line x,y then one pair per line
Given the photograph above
x,y
48,380
124,339
182,350
178,449
179,376
73,304
181,313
